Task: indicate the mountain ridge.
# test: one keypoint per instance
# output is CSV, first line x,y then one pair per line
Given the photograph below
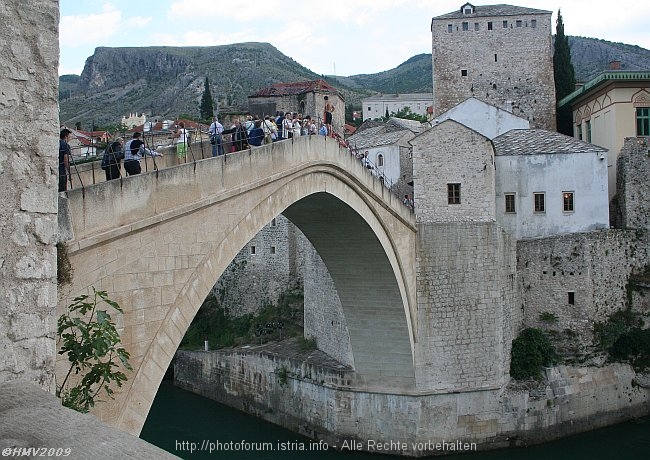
x,y
168,81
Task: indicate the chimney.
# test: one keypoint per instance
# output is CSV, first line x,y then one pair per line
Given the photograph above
x,y
615,65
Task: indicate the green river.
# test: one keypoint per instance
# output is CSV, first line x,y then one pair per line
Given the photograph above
x,y
184,424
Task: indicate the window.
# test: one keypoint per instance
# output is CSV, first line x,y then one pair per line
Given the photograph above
x,y
274,223
495,57
505,24
453,193
588,128
252,249
369,109
450,28
533,23
518,23
463,72
571,298
380,160
567,200
579,131
272,249
476,26
490,25
643,121
538,199
465,25
510,203
467,10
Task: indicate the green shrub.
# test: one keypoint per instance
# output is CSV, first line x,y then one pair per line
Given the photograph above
x,y
530,351
89,338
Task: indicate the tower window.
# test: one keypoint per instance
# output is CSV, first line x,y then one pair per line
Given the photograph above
x,y
505,24
380,160
510,203
533,23
453,193
476,26
450,28
518,23
538,200
272,249
465,25
252,249
490,25
567,200
495,57
571,298
463,72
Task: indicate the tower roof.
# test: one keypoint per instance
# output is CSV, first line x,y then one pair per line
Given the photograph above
x,y
492,11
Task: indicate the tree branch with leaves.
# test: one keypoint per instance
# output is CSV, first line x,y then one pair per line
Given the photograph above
x,y
89,338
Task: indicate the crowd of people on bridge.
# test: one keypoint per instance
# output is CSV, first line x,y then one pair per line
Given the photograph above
x,y
255,131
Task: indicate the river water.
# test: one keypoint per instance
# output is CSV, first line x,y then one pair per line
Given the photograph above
x,y
184,423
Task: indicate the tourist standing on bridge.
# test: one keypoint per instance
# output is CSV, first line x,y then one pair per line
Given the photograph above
x,y
239,136
134,150
111,162
256,135
182,138
327,116
216,130
270,130
287,126
64,159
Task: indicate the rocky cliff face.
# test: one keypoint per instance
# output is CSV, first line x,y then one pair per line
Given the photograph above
x,y
169,81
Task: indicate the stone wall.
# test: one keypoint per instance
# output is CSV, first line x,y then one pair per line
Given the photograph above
x,y
510,68
323,403
266,267
450,153
580,278
28,190
633,186
467,315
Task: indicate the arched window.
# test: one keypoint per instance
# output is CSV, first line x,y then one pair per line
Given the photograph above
x,y
380,160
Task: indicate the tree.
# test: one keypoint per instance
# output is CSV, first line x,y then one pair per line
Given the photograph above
x,y
207,108
90,339
565,79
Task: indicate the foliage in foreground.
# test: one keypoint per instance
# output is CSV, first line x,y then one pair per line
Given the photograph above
x,y
531,351
89,338
624,339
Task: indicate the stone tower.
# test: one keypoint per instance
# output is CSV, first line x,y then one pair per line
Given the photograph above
x,y
500,54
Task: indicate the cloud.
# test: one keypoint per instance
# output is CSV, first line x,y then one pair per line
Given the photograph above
x,y
78,30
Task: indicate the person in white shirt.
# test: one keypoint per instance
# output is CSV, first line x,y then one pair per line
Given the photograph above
x,y
182,139
216,139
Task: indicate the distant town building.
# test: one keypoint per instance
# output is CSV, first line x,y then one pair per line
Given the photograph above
x,y
534,183
500,54
389,152
133,120
303,97
549,184
607,109
377,106
484,118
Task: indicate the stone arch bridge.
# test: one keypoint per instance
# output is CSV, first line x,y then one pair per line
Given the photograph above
x,y
158,242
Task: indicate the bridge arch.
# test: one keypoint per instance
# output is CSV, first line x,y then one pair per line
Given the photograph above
x,y
178,229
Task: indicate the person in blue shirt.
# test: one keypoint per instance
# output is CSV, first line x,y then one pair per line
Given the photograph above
x,y
256,135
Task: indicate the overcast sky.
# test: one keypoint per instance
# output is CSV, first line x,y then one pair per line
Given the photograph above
x,y
342,37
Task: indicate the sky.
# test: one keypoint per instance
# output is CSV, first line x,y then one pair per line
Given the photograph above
x,y
332,37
